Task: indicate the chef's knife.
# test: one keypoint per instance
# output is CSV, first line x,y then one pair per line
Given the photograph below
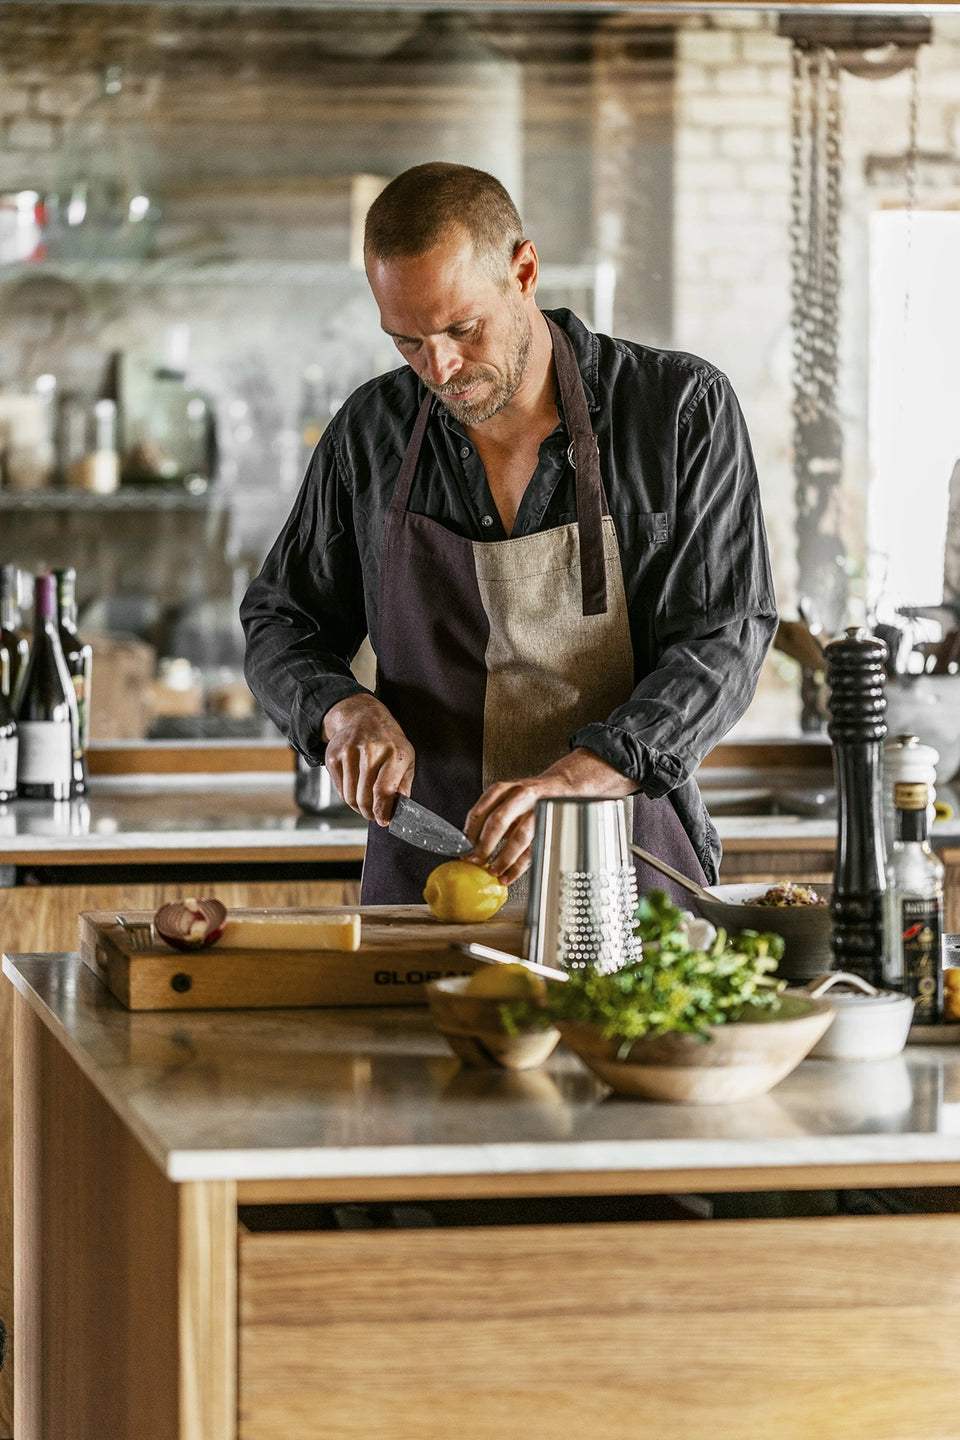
x,y
419,826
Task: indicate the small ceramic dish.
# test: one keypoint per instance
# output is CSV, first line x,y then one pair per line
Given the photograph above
x,y
473,1027
869,1024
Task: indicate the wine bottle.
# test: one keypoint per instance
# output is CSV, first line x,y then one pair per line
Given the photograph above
x,y
14,644
79,658
913,907
9,746
45,707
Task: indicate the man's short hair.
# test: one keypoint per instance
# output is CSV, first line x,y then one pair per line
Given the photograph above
x,y
421,206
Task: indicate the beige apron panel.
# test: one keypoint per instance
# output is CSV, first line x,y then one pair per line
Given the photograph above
x,y
550,669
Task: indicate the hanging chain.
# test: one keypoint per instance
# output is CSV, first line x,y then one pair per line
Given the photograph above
x,y
913,133
830,262
911,177
816,192
799,236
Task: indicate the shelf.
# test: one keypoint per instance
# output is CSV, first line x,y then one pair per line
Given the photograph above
x,y
225,271
127,498
175,271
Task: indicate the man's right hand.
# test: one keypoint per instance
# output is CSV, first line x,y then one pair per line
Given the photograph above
x,y
368,758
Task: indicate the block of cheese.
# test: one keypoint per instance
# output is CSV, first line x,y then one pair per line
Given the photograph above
x,y
291,932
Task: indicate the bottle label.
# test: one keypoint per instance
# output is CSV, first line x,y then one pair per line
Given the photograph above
x,y
910,795
46,752
922,924
80,688
9,747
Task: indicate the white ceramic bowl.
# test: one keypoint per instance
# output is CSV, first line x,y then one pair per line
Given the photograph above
x,y
868,1024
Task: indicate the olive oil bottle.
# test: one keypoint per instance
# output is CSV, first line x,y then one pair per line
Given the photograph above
x,y
913,907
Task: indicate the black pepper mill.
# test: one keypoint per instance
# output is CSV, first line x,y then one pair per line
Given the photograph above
x,y
857,727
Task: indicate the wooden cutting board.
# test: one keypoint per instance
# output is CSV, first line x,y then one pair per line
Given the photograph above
x,y
401,948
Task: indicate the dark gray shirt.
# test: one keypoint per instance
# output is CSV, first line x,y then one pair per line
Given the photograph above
x,y
682,490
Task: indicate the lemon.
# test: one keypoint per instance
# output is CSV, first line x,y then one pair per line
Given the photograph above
x,y
951,993
459,890
506,982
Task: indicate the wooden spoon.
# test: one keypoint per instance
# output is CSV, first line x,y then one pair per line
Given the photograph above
x,y
666,869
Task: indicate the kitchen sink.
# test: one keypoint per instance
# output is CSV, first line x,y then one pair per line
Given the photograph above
x,y
805,803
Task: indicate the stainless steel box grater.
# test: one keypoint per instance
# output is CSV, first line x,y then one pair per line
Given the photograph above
x,y
583,886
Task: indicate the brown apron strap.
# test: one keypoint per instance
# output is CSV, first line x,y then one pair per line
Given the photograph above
x,y
585,457
401,491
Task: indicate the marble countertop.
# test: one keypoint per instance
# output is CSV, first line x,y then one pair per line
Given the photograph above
x,y
256,810
156,812
337,1093
218,812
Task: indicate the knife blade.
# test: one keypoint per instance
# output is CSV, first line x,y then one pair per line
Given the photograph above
x,y
419,826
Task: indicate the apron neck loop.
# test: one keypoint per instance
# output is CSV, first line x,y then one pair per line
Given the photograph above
x,y
585,457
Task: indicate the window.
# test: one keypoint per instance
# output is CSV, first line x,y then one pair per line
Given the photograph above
x,y
914,401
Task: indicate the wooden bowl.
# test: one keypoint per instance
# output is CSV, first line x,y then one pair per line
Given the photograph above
x,y
807,930
737,1062
473,1028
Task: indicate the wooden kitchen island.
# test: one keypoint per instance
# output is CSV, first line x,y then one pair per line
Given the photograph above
x,y
161,821
248,1225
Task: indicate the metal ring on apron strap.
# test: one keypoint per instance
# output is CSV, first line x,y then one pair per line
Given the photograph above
x,y
571,451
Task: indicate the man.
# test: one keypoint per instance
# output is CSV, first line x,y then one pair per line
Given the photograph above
x,y
554,540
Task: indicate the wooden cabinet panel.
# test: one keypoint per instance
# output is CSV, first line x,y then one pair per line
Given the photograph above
x,y
950,855
768,864
44,918
842,1327
127,1291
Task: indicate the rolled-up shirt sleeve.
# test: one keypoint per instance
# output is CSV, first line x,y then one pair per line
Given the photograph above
x,y
702,628
303,616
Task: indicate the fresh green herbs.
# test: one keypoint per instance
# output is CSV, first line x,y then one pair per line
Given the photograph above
x,y
690,976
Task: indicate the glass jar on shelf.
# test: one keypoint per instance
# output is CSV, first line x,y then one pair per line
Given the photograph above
x,y
101,207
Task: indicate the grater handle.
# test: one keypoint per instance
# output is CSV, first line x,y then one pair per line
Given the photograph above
x,y
501,957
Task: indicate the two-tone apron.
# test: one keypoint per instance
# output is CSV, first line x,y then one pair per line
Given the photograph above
x,y
492,654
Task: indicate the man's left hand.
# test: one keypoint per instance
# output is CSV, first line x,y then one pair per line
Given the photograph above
x,y
506,811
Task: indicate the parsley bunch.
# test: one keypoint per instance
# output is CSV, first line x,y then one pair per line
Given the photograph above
x,y
689,976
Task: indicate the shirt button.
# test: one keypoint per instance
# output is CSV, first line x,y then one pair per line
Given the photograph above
x,y
464,451
486,520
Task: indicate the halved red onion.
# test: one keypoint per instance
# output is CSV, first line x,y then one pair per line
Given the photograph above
x,y
190,924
